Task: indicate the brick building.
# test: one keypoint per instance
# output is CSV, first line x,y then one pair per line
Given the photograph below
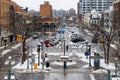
x,y
4,10
46,9
48,22
8,19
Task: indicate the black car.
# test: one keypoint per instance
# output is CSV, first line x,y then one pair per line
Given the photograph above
x,y
77,38
95,38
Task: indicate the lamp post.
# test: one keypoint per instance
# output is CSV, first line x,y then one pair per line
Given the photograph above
x,y
9,70
86,53
38,50
89,55
86,45
42,55
64,47
116,60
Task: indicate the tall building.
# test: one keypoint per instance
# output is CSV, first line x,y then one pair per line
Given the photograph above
x,y
46,9
79,15
71,12
98,5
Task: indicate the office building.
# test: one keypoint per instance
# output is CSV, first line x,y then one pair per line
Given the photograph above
x,y
98,5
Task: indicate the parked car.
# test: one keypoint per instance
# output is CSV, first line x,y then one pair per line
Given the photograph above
x,y
94,40
53,40
48,43
77,38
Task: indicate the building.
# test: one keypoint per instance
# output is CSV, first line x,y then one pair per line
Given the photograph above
x,y
4,12
9,11
48,24
116,22
46,10
71,12
79,14
108,19
99,5
86,19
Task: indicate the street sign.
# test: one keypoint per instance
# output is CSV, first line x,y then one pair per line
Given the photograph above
x,y
87,53
20,54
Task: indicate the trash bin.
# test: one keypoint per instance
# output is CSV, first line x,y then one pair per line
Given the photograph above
x,y
47,64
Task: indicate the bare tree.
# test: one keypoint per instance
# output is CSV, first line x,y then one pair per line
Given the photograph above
x,y
107,37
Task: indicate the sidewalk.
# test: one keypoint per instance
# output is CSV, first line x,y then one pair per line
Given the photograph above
x,y
91,34
23,67
106,67
10,47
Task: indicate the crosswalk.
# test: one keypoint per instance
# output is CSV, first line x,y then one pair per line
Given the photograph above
x,y
71,74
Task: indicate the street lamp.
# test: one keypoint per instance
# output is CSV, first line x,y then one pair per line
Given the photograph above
x,y
38,50
64,47
86,52
86,45
9,70
42,54
89,54
116,60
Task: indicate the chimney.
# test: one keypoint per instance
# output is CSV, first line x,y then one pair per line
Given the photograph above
x,y
46,2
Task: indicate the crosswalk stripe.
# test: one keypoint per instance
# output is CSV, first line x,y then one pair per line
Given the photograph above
x,y
92,76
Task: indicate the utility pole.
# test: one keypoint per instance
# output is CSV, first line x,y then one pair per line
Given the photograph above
x,y
89,55
38,50
64,47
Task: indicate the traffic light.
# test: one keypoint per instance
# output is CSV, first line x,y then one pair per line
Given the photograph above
x,y
38,49
18,37
35,65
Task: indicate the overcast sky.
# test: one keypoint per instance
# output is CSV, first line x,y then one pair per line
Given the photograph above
x,y
56,4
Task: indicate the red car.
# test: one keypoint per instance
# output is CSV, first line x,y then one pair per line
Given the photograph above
x,y
48,43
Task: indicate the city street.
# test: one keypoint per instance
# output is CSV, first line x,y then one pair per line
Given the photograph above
x,y
75,53
60,40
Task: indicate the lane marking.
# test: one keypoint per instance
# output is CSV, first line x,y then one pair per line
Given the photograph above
x,y
92,77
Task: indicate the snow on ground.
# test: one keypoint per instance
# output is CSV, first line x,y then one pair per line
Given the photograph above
x,y
102,63
61,63
100,71
116,78
5,51
80,55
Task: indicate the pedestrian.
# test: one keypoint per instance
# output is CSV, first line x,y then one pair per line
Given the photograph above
x,y
67,48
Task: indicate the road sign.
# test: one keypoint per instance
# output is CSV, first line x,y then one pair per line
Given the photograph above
x,y
20,54
87,53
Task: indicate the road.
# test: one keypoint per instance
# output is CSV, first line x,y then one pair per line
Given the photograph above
x,y
56,73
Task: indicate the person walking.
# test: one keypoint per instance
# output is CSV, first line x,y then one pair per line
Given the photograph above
x,y
67,48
